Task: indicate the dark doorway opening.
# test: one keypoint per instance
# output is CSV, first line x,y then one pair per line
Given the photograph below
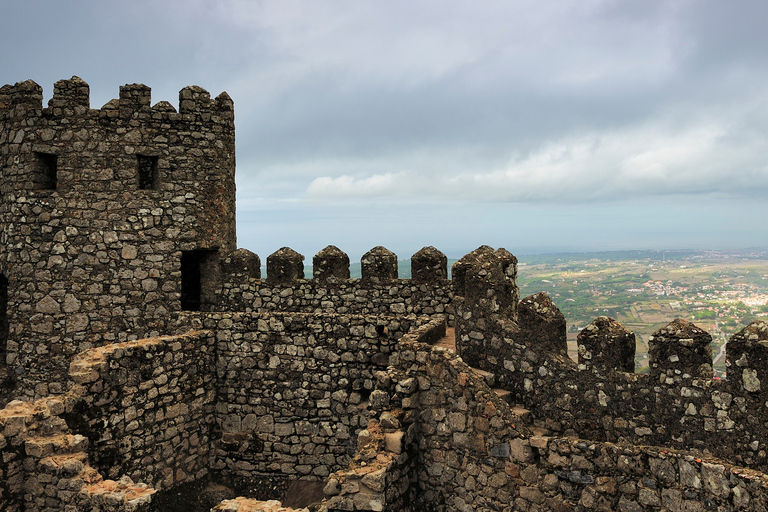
x,y
47,166
199,278
148,174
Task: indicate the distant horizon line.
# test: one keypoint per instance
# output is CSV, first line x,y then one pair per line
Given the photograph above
x,y
308,264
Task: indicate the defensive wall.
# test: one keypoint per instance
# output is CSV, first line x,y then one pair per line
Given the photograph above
x,y
158,358
436,437
443,440
677,404
378,291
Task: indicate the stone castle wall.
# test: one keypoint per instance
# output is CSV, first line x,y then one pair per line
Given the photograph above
x,y
378,292
677,404
117,226
147,407
97,206
293,389
459,447
45,467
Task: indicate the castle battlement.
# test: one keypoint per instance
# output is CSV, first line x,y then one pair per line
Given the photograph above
x,y
72,98
157,351
677,404
331,266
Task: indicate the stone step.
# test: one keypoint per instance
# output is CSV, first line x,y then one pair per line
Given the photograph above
x,y
504,395
52,426
524,414
34,419
62,444
488,377
69,466
120,495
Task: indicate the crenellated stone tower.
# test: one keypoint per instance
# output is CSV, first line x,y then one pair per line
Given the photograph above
x,y
111,219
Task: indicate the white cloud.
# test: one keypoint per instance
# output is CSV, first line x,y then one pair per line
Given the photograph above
x,y
347,186
644,161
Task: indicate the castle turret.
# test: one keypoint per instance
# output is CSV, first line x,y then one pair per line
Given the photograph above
x,y
112,219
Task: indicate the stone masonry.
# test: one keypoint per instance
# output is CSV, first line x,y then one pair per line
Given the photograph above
x,y
145,360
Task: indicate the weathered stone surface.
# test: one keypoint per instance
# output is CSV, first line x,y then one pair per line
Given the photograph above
x,y
284,267
379,266
604,345
103,204
117,220
429,265
331,265
678,349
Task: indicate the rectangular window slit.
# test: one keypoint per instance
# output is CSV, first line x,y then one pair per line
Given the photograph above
x,y
148,175
6,378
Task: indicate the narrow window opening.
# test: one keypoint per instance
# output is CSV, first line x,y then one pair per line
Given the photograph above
x,y
47,167
4,328
199,278
148,175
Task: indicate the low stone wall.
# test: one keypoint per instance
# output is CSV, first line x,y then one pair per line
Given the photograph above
x,y
146,407
292,389
349,296
677,404
674,405
573,474
475,454
384,468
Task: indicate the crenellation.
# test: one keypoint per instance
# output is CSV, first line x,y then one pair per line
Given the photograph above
x,y
542,325
150,349
5,97
133,98
747,359
224,105
378,266
73,94
429,265
195,100
285,267
460,268
680,351
330,265
26,96
242,265
605,345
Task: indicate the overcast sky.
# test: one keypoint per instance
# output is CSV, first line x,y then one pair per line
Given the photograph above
x,y
533,125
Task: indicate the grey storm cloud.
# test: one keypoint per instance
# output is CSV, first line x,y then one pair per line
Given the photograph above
x,y
345,102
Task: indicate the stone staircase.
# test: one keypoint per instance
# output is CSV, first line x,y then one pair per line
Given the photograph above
x,y
526,417
48,466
